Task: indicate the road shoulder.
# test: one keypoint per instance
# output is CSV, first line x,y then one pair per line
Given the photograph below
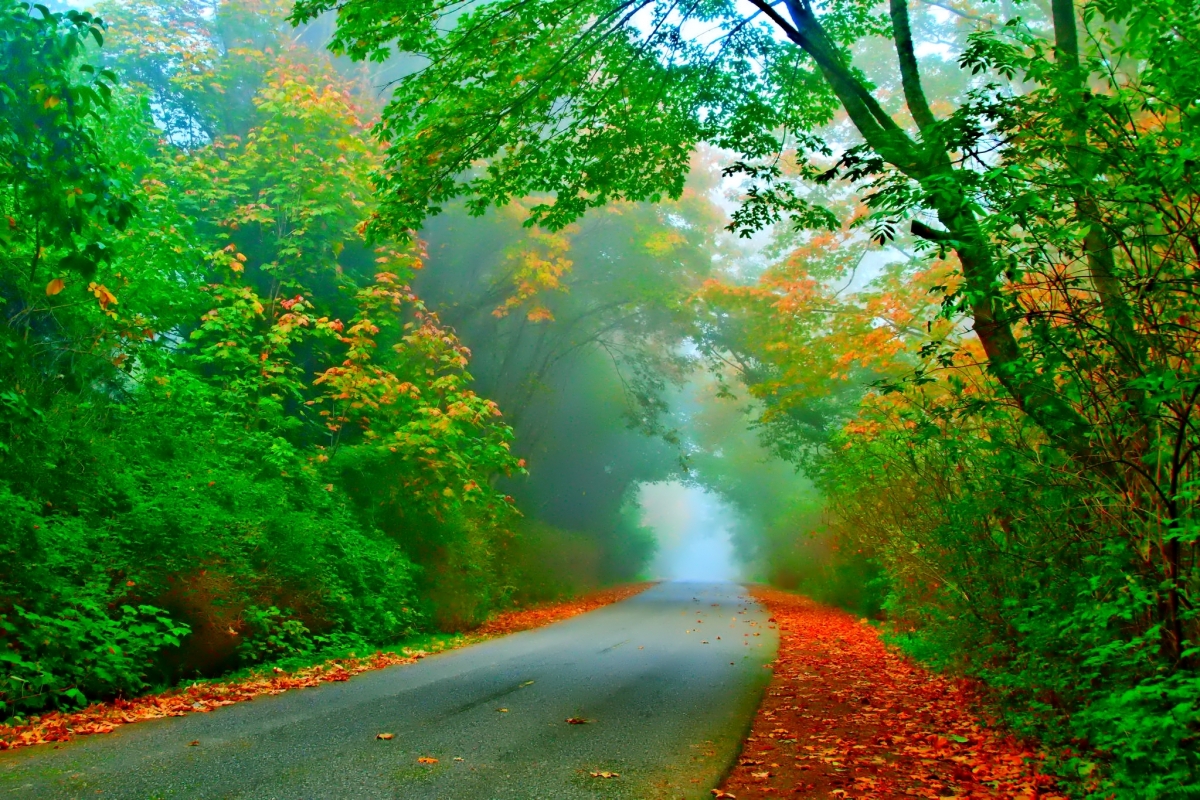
x,y
204,696
846,716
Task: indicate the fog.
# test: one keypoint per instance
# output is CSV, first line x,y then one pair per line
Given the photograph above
x,y
693,527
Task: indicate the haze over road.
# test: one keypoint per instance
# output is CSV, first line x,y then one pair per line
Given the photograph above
x,y
667,700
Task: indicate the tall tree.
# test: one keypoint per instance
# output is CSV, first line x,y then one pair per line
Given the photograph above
x,y
602,100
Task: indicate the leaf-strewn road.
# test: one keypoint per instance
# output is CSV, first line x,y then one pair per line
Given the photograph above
x,y
666,708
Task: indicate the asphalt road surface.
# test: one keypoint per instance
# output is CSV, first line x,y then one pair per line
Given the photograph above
x,y
666,700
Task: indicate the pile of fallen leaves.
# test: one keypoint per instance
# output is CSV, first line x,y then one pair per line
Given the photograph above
x,y
537,616
60,726
845,716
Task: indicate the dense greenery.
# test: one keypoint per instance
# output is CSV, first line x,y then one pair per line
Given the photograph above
x,y
230,430
978,330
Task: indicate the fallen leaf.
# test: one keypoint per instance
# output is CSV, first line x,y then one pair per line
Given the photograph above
x,y
426,760
606,774
720,795
900,731
385,736
577,721
502,710
193,742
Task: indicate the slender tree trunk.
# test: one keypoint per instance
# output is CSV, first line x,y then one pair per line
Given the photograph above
x,y
929,164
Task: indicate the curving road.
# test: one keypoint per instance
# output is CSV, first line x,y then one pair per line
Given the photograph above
x,y
666,699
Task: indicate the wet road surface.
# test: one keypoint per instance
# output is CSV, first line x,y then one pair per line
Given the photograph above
x,y
666,700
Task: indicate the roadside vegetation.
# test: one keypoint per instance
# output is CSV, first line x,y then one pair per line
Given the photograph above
x,y
231,429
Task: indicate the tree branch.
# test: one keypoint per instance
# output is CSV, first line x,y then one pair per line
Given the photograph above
x,y
910,75
955,11
930,234
879,129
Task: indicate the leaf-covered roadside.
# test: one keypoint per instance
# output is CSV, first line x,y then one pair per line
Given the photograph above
x,y
202,697
546,613
61,726
847,716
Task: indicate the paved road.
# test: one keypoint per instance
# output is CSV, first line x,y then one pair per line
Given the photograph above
x,y
668,703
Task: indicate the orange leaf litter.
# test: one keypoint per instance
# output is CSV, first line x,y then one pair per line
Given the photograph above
x,y
537,616
844,716
57,726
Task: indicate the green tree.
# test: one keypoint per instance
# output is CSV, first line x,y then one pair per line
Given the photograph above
x,y
606,100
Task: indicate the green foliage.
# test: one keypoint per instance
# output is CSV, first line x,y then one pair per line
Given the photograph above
x,y
272,635
999,570
81,652
63,203
578,101
232,438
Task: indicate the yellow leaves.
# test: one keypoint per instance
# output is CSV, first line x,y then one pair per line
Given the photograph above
x,y
51,102
605,774
537,265
54,287
661,243
102,294
426,760
385,736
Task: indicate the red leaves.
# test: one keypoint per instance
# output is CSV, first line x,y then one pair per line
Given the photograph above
x,y
846,717
513,621
201,698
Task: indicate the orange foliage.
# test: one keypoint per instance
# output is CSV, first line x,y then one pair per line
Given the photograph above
x,y
547,613
845,716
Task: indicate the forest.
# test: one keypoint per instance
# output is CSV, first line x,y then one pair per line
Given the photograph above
x,y
331,324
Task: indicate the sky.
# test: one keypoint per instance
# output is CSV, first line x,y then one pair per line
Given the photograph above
x,y
693,528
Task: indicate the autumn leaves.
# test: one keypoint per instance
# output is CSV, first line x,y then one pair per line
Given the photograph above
x,y
846,717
